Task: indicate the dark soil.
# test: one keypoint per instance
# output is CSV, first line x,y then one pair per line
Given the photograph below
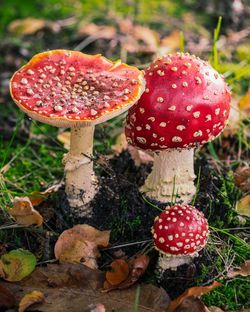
x,y
119,206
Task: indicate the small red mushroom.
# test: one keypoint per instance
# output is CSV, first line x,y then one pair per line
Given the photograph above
x,y
186,103
71,89
179,233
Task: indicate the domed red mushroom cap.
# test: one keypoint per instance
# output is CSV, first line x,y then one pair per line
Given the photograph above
x,y
67,88
180,230
186,103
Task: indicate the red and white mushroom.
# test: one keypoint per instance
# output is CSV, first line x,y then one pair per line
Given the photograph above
x,y
179,233
71,89
186,104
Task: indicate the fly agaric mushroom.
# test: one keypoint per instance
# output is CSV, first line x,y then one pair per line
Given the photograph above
x,y
179,233
71,89
186,104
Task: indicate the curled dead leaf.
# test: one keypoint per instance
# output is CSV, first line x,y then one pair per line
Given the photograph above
x,y
244,270
191,292
80,245
24,213
119,272
137,267
39,197
100,31
30,299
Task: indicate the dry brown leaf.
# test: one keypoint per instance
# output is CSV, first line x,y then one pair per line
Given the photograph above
x,y
26,26
243,206
80,244
170,43
242,178
105,32
64,138
192,292
80,252
7,299
74,287
191,304
37,200
24,213
30,299
137,267
147,39
30,25
244,270
119,272
140,157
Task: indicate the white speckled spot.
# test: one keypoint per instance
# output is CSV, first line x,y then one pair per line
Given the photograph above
x,y
196,114
141,140
180,127
176,139
170,237
172,108
189,107
163,124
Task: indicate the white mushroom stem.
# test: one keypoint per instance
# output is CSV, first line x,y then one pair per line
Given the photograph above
x,y
172,176
171,262
81,182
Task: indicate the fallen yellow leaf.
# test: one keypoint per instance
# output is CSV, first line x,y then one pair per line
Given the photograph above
x,y
245,101
24,213
30,299
17,264
243,206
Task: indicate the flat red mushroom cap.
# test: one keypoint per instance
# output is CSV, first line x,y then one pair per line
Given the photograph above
x,y
65,88
180,230
186,103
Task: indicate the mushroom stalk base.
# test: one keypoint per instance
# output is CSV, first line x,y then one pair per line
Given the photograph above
x,y
80,180
172,176
171,262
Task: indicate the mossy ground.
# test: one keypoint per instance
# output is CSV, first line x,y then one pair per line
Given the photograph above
x,y
31,158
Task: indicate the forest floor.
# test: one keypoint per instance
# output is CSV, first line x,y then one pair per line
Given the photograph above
x,y
32,153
